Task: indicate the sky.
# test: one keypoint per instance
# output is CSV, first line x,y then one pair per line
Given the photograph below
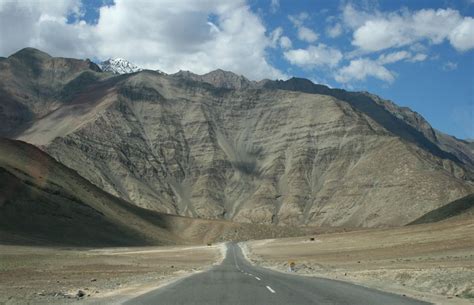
x,y
417,53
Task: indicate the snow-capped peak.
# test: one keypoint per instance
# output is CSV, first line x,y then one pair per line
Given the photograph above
x,y
118,66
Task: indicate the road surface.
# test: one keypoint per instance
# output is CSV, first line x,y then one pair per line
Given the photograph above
x,y
236,282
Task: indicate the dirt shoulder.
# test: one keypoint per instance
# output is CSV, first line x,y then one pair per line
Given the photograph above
x,y
38,275
432,262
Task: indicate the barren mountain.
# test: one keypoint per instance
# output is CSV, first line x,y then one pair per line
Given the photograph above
x,y
44,202
458,209
34,84
221,146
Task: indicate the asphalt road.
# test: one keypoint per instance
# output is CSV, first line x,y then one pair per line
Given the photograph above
x,y
237,282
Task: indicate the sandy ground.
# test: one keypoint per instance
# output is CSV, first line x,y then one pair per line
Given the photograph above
x,y
432,262
37,275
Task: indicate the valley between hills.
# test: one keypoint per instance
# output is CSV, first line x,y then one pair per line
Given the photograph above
x,y
114,184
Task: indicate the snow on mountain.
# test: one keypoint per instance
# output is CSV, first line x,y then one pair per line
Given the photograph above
x,y
119,66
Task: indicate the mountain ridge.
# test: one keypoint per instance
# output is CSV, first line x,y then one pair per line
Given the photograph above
x,y
221,146
119,66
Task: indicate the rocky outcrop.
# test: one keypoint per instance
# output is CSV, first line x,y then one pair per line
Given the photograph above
x,y
119,66
219,78
282,152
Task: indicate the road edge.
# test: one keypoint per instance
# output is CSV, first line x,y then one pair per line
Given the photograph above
x,y
435,300
119,297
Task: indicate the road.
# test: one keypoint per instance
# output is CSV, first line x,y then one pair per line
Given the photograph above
x,y
236,282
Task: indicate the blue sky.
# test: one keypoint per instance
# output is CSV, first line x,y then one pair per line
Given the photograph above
x,y
416,53
441,87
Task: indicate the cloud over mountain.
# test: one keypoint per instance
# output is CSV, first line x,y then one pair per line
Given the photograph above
x,y
166,35
237,35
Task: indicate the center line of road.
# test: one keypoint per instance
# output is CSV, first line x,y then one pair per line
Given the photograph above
x,y
270,289
258,279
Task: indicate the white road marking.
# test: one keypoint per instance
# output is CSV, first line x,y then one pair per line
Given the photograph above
x,y
270,289
249,274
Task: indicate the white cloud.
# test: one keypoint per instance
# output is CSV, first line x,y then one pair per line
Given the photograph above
x,y
379,35
378,31
393,57
277,39
462,36
334,31
298,20
181,37
418,57
306,34
285,42
303,33
450,66
28,23
400,56
418,47
360,69
314,56
274,6
354,18
275,36
168,35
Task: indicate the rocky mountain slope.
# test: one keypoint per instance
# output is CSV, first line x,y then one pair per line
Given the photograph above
x,y
43,201
458,209
220,146
35,84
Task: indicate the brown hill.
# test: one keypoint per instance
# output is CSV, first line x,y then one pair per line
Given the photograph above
x,y
42,201
461,208
220,146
